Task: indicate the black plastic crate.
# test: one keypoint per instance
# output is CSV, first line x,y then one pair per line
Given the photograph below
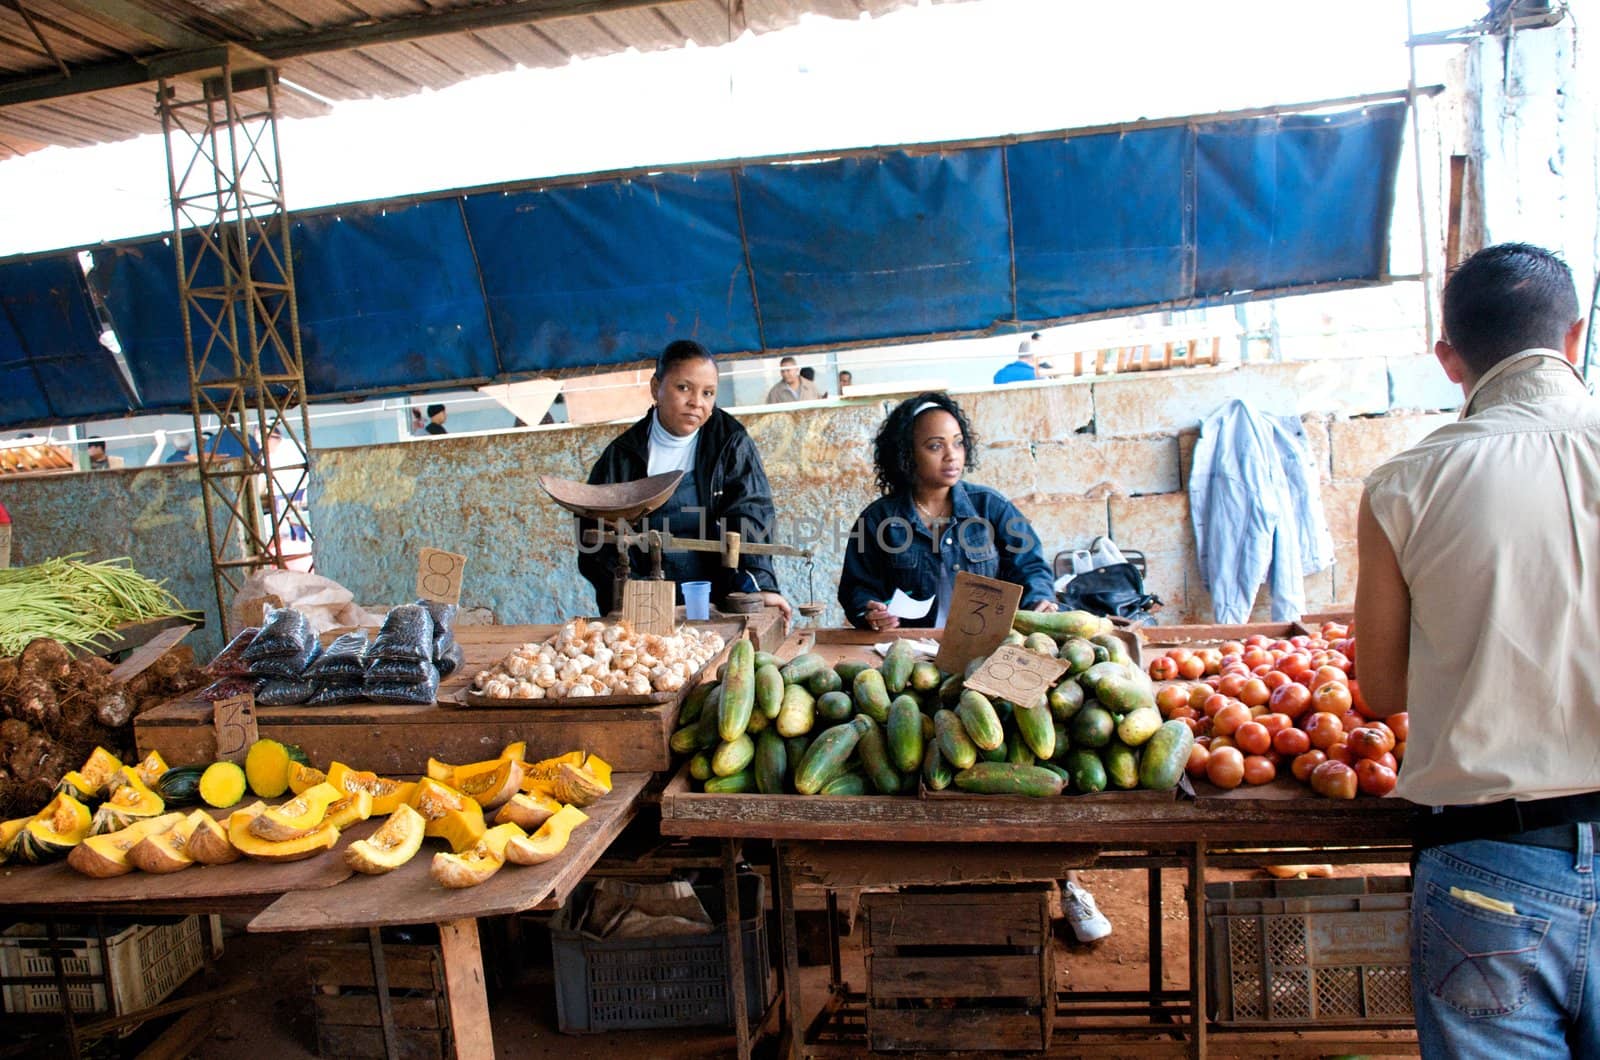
x,y
672,981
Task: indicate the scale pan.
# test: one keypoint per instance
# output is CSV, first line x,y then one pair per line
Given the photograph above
x,y
621,500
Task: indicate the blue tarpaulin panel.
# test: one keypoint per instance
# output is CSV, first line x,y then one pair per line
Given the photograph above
x,y
52,366
864,248
139,284
389,297
600,274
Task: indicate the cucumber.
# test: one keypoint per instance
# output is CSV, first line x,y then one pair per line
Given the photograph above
x,y
1014,638
929,733
1078,654
997,755
738,691
1114,645
905,734
957,748
1122,765
1137,726
1041,644
826,757
1108,670
1088,775
766,658
1037,728
700,766
1092,727
694,702
950,691
925,677
835,706
802,668
1018,753
738,784
759,723
1165,756
1066,778
978,717
875,761
936,772
996,778
897,664
1100,654
798,713
871,695
1066,699
769,690
973,666
733,756
847,670
1059,624
824,682
1063,742
772,762
795,748
1124,695
845,784
688,740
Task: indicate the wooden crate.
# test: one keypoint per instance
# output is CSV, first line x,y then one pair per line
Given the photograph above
x,y
959,968
345,997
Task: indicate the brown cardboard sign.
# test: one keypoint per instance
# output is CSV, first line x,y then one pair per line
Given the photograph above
x,y
980,616
1017,675
439,575
235,721
255,611
649,605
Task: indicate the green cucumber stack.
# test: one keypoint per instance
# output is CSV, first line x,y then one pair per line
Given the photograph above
x,y
800,726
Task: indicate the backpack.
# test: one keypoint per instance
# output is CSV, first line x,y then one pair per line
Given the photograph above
x,y
1115,589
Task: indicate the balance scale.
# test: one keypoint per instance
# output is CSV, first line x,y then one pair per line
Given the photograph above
x,y
621,504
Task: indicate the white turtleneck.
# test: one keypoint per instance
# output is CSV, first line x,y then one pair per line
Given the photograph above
x,y
668,452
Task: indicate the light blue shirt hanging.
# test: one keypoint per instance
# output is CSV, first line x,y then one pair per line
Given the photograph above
x,y
1256,502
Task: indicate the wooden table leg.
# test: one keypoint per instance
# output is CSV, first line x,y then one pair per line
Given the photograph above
x,y
1197,951
738,996
380,981
469,1001
789,949
1153,914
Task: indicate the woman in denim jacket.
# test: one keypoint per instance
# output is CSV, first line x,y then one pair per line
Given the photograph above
x,y
928,525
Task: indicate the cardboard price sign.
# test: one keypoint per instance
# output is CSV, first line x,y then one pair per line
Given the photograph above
x,y
235,721
1017,675
649,606
439,575
980,616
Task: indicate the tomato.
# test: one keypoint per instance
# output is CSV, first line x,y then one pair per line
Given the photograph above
x,y
1275,679
1211,680
1291,741
1198,694
1340,752
1304,763
1259,770
1339,659
1179,654
1334,630
1163,668
1256,657
1295,665
1331,696
1334,780
1225,767
1196,766
1257,640
1300,640
1276,723
1182,710
1233,684
1282,646
1388,760
1367,741
1254,692
1219,742
1213,703
1358,702
1253,738
1169,697
1374,778
1324,730
1353,719
1228,720
1212,658
1400,725
1231,647
1291,699
1192,667
1324,674
1399,752
1234,666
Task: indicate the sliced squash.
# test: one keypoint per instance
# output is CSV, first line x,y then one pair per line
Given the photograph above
x,y
492,784
208,843
166,851
527,812
386,794
600,768
10,836
576,786
438,770
459,828
391,846
517,751
302,776
297,817
88,781
350,809
222,784
476,864
54,830
105,856
549,841
266,768
547,769
251,845
432,798
129,799
151,768
180,785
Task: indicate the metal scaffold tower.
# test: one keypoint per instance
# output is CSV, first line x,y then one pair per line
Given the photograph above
x,y
240,323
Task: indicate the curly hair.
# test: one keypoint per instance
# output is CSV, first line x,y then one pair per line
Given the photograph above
x,y
891,450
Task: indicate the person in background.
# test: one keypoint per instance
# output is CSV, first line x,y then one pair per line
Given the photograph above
x,y
809,374
98,460
436,418
1478,612
929,525
1025,368
791,387
724,486
182,449
845,379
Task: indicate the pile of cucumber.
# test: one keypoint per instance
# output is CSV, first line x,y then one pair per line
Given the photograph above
x,y
804,727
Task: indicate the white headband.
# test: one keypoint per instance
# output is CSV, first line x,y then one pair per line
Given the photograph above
x,y
924,407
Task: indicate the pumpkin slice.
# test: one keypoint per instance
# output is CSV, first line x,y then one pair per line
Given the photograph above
x,y
151,768
547,769
89,781
517,751
576,786
208,843
386,794
549,841
166,851
253,846
527,812
350,809
128,800
477,863
222,784
302,776
391,846
10,837
460,828
104,856
600,768
440,771
54,830
432,798
297,817
489,783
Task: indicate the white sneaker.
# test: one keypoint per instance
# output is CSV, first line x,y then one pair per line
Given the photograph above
x,y
1088,923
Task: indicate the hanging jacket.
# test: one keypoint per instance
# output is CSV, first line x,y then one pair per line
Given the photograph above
x,y
1256,504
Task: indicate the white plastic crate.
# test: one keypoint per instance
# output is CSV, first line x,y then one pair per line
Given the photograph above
x,y
147,963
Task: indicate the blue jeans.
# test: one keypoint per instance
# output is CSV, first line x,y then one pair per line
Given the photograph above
x,y
1496,984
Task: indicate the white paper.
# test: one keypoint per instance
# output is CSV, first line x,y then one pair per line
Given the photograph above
x,y
903,606
922,648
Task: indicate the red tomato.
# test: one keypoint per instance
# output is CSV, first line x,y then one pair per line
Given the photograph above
x,y
1335,780
1399,752
1231,647
1304,763
1211,680
1300,640
1228,720
1353,719
1198,694
1334,630
1291,741
1368,741
1275,679
1259,770
1182,710
1179,654
1388,760
1374,778
1400,725
1295,665
1283,646
1219,742
1340,752
1257,640
1253,738
1276,723
1196,766
1291,699
1256,657
1324,730
1163,668
1331,696
1324,674
1214,702
1232,685
1169,697
1254,692
1192,667
1358,702
1225,767
1339,659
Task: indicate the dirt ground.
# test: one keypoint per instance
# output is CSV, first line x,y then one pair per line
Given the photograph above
x,y
277,1020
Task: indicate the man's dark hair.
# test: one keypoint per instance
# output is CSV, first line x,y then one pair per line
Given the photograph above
x,y
1505,299
680,350
808,372
787,362
434,410
892,455
100,442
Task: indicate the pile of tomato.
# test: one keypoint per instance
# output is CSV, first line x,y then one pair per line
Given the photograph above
x,y
1260,704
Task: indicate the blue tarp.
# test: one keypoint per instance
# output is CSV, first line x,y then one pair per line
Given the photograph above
x,y
52,366
484,285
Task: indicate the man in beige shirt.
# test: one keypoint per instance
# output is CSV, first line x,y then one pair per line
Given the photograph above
x,y
1478,610
792,387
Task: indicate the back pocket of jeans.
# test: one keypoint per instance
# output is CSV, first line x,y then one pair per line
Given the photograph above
x,y
1477,960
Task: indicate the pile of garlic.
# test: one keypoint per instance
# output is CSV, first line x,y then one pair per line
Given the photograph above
x,y
594,659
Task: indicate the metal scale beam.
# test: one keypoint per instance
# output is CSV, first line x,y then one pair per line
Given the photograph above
x,y
240,321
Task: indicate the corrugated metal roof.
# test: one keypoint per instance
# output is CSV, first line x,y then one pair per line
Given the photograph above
x,y
79,72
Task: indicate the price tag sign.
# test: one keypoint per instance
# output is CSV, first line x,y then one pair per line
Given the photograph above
x,y
1017,674
980,616
439,576
649,605
235,721
255,611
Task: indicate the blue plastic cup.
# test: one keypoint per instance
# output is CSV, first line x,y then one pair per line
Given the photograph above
x,y
697,601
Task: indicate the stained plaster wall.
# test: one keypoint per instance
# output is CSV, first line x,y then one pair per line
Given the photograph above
x,y
1080,458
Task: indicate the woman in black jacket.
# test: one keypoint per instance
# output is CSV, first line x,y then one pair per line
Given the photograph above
x,y
724,486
